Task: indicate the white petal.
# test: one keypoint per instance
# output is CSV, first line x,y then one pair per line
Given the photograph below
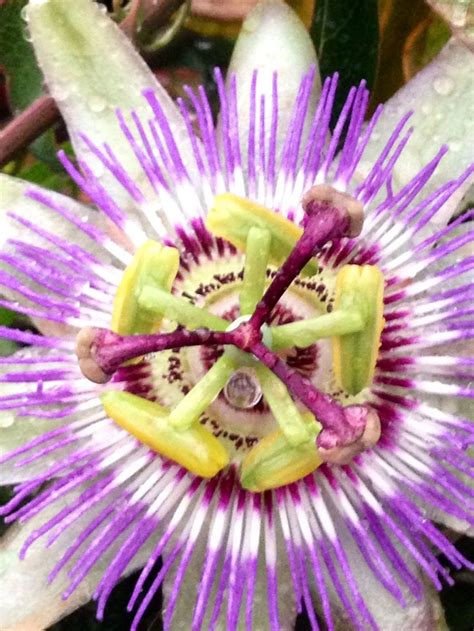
x,y
273,39
15,199
32,604
92,69
16,431
442,98
425,614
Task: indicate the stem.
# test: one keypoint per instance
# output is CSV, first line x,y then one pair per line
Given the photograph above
x,y
111,350
162,39
222,11
324,224
306,332
27,126
327,412
175,308
148,15
189,409
257,253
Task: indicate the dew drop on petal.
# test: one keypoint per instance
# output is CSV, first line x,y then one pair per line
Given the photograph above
x,y
426,108
97,168
61,92
443,85
97,103
243,389
6,420
455,145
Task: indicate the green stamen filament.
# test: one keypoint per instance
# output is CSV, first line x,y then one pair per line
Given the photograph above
x,y
175,308
257,253
359,288
189,409
232,217
306,332
283,408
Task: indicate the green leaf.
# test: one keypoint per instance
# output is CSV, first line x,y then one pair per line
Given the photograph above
x,y
25,80
6,316
345,35
17,57
43,174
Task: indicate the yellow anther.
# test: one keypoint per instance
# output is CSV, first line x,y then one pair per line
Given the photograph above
x,y
195,449
231,217
153,265
358,288
274,462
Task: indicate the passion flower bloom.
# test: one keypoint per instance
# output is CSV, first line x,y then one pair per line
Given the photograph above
x,y
251,372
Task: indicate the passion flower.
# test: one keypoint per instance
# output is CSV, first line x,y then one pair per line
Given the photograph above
x,y
255,341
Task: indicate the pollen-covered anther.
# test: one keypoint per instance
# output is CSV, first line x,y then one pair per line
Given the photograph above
x,y
366,424
86,341
153,265
325,195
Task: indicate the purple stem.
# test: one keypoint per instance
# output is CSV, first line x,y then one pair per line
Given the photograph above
x,y
110,350
329,413
325,222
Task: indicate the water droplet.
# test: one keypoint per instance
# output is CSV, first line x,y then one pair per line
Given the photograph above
x,y
6,420
443,85
97,168
61,92
24,13
426,108
243,389
97,103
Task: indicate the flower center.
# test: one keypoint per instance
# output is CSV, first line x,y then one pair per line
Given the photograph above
x,y
250,363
